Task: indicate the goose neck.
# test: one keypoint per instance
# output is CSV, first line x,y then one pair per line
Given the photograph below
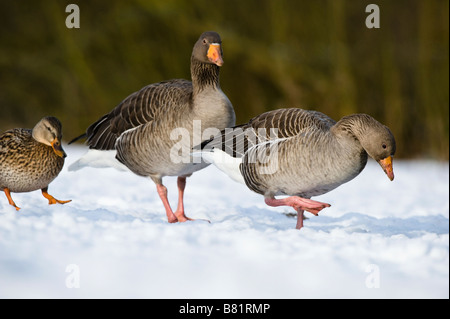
x,y
204,75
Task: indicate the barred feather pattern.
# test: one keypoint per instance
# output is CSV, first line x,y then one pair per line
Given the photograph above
x,y
300,152
141,128
154,102
25,164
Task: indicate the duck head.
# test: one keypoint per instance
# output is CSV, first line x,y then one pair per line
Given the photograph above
x,y
48,131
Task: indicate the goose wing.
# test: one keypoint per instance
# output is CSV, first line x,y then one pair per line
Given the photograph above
x,y
270,127
151,103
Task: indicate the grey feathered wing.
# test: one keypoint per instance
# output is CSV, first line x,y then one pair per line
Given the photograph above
x,y
151,103
277,125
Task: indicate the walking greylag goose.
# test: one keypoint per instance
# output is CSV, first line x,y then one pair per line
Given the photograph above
x,y
299,153
143,132
31,159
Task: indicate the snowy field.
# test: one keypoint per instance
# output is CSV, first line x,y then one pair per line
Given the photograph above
x,y
379,239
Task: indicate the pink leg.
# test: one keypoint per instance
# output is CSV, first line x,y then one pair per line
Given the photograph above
x,y
299,219
179,213
162,192
299,204
181,183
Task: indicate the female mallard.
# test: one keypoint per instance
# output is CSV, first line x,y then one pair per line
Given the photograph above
x,y
31,159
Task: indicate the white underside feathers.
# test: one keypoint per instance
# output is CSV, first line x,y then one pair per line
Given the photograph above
x,y
98,159
226,163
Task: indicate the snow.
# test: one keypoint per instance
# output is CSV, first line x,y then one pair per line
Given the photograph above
x,y
379,239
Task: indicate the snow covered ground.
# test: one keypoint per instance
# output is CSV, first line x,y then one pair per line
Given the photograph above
x,y
379,239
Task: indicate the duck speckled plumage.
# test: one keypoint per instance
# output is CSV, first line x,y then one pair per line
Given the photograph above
x,y
31,159
142,129
300,153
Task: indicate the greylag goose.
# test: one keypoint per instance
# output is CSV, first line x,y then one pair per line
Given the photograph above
x,y
299,153
153,130
31,159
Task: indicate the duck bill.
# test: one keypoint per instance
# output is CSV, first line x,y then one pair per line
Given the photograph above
x,y
214,54
386,165
57,147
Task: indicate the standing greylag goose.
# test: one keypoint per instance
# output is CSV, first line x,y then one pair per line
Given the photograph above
x,y
143,131
31,159
299,153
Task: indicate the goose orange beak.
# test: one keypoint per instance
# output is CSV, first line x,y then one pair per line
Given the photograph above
x,y
214,54
57,147
386,165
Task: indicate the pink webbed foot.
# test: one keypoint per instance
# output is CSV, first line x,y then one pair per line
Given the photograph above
x,y
312,206
299,204
179,215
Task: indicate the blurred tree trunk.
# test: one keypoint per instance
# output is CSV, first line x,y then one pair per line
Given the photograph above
x,y
342,89
432,76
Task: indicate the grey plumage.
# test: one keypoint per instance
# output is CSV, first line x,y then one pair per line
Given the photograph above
x,y
153,130
307,154
140,127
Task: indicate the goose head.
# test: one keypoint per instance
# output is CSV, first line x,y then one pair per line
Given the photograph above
x,y
48,131
379,142
208,49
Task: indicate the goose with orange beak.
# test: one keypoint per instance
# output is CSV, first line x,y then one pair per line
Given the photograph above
x,y
386,165
137,135
306,154
31,159
215,54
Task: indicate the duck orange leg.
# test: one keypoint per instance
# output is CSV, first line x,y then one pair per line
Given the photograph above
x,y
51,199
10,200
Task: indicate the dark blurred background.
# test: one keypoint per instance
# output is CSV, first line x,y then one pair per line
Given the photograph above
x,y
313,54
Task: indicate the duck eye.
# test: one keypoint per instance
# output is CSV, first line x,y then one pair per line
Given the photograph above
x,y
383,146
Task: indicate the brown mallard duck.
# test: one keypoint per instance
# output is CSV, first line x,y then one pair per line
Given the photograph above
x,y
31,159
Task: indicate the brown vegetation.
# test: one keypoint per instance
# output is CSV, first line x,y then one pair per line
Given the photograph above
x,y
311,54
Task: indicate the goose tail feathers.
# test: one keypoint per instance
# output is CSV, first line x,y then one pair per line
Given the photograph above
x,y
98,159
223,161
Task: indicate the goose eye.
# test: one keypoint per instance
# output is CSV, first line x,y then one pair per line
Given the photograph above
x,y
205,41
383,146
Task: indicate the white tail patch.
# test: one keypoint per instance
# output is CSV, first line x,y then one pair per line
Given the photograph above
x,y
98,159
226,163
